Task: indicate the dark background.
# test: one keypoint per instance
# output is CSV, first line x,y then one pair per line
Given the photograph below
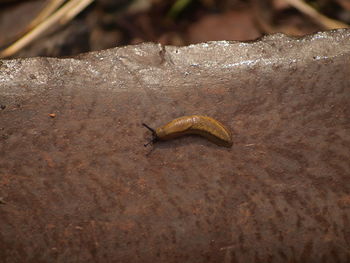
x,y
109,23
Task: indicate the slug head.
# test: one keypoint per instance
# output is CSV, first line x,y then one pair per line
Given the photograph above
x,y
154,135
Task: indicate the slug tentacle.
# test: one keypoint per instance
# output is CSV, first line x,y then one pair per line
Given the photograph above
x,y
154,135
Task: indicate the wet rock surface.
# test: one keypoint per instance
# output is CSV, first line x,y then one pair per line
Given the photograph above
x,y
77,185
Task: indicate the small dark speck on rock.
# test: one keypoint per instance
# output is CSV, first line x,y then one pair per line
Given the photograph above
x,y
2,107
32,76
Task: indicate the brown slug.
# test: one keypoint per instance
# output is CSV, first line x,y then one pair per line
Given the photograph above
x,y
204,126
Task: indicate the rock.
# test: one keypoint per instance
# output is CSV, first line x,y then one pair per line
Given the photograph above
x,y
81,187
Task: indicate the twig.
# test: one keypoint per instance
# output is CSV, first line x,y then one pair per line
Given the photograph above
x,y
80,6
323,20
50,8
72,8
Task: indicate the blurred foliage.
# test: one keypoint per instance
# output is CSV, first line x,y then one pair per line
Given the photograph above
x,y
109,23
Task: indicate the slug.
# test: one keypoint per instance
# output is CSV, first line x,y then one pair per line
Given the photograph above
x,y
201,125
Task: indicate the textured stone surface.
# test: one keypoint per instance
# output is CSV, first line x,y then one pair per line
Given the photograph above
x,y
81,187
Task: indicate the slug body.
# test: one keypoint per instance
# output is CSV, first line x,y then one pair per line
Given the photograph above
x,y
195,124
